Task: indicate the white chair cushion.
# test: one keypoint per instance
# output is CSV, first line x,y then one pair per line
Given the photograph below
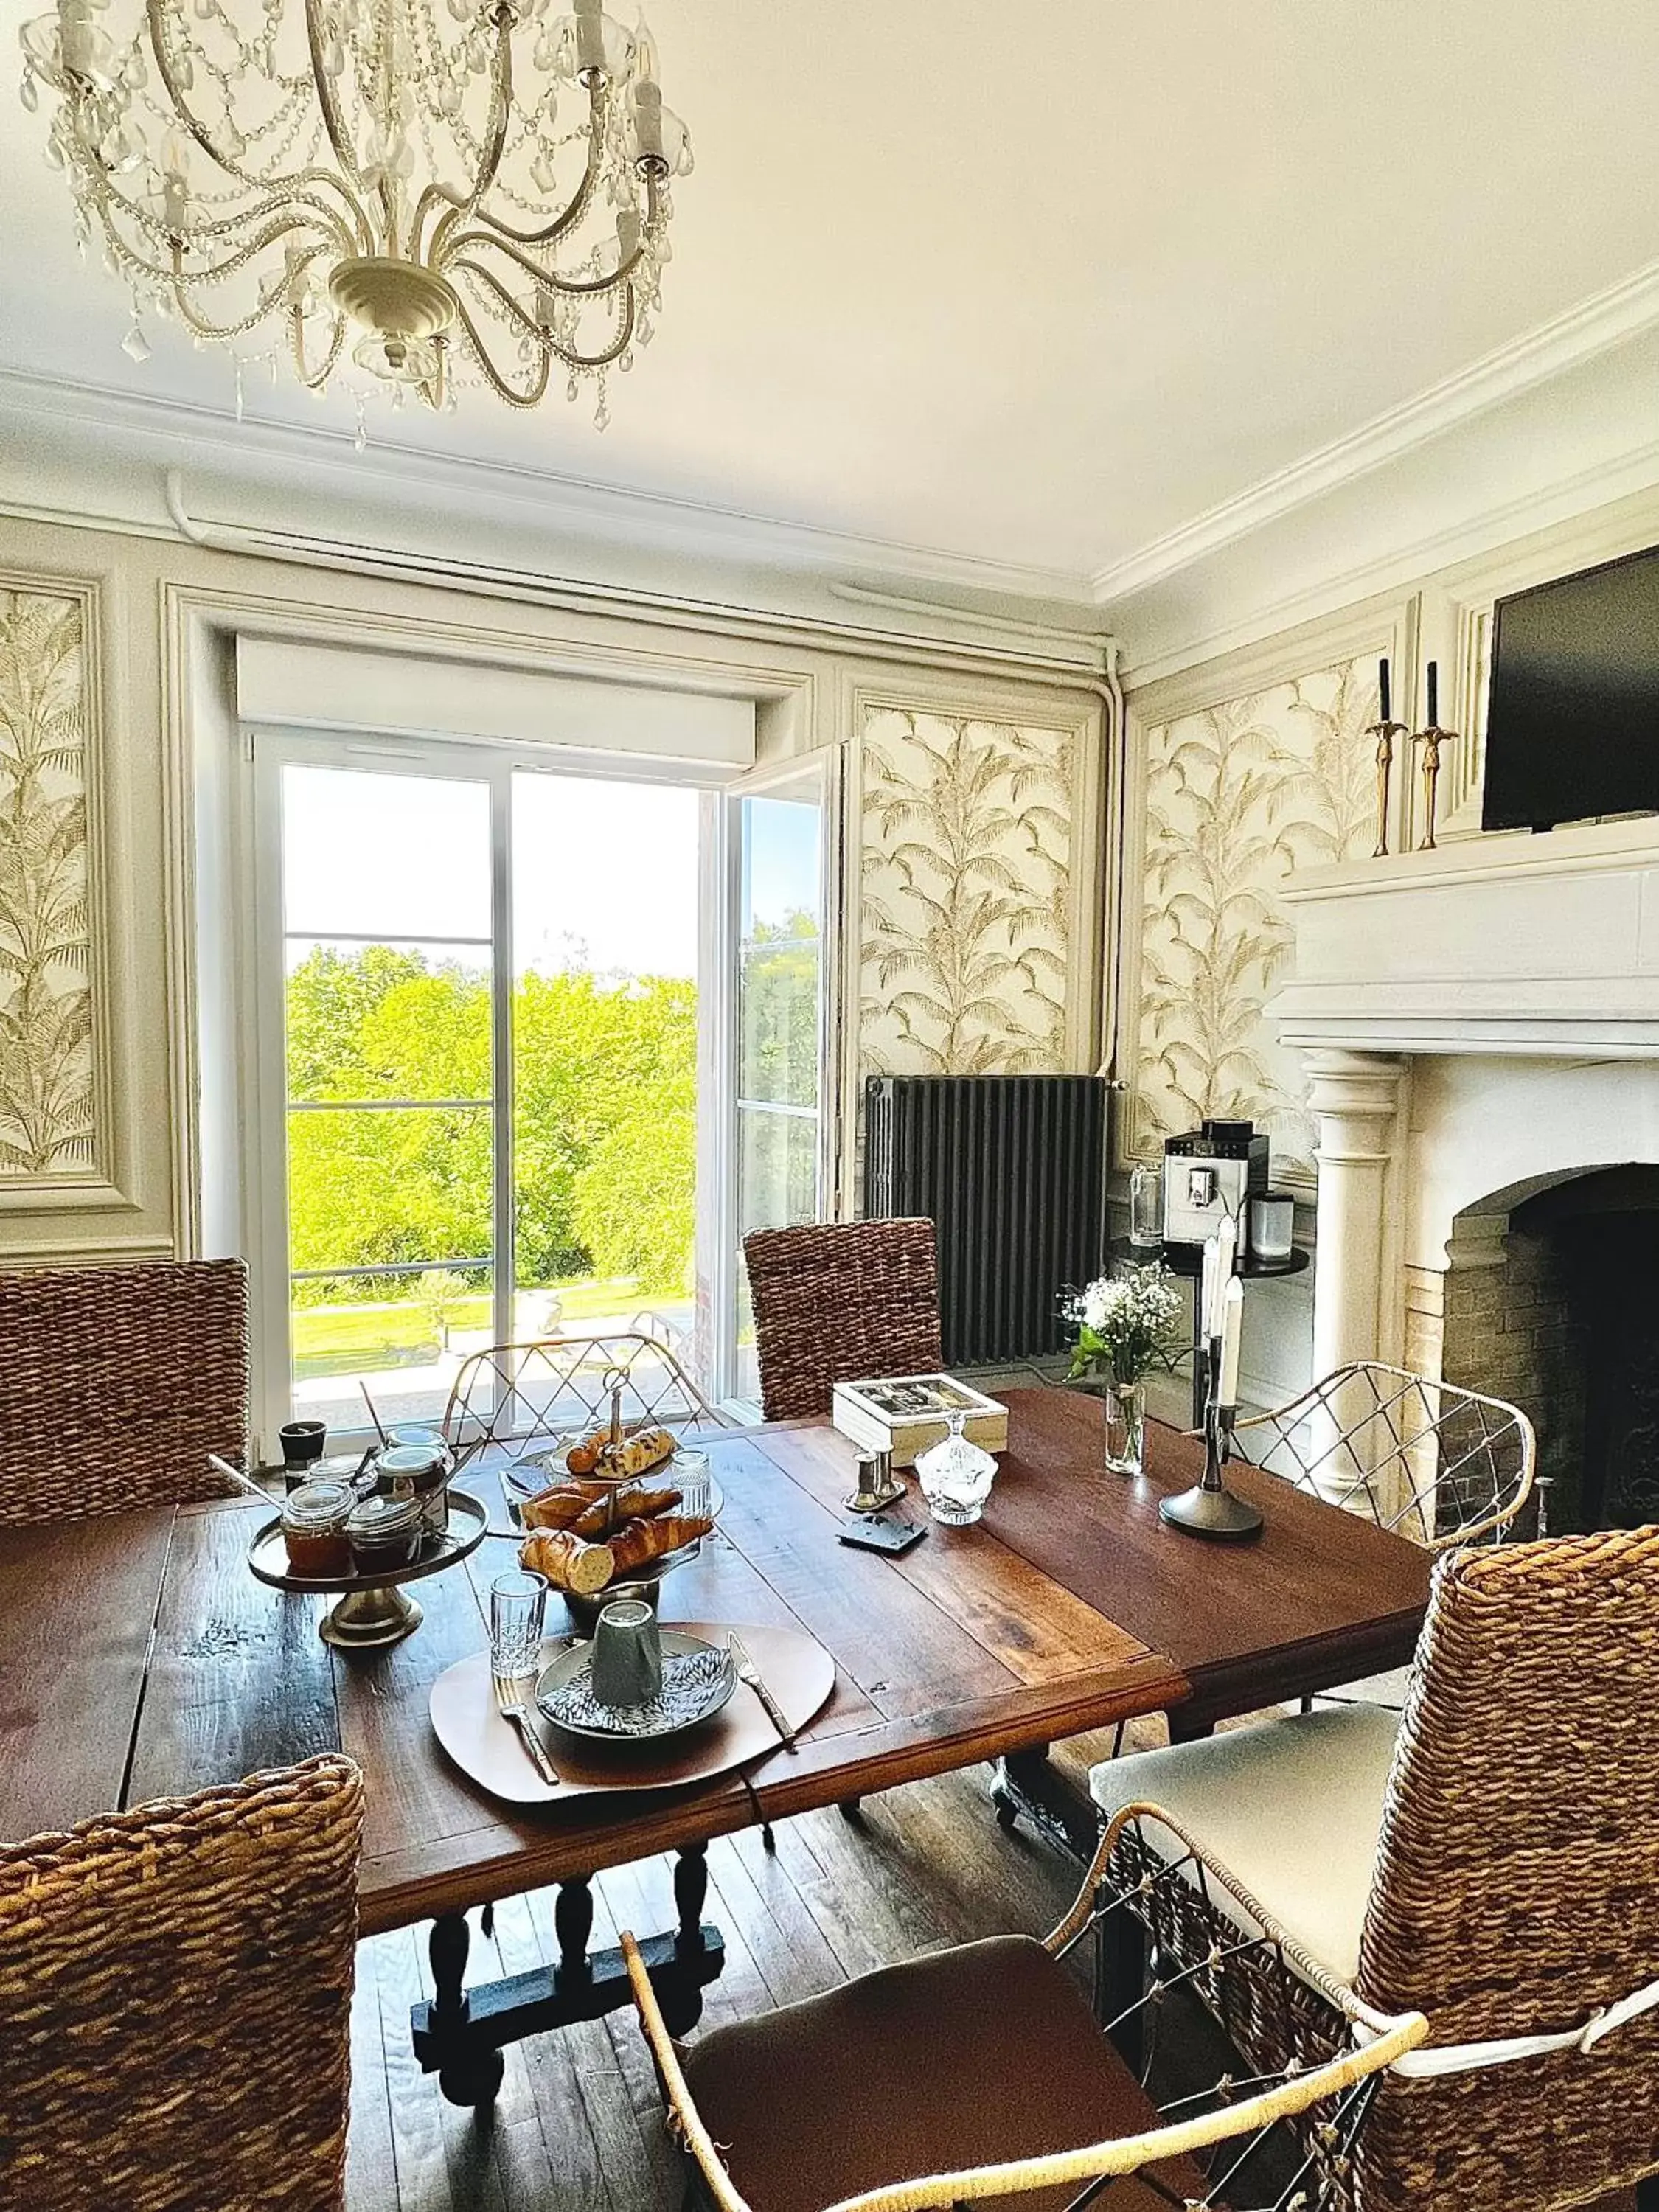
x,y
1291,1809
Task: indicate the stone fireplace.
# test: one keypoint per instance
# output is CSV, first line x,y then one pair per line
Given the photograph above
x,y
1480,1026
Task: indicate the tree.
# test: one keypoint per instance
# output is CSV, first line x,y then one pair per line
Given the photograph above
x,y
604,1115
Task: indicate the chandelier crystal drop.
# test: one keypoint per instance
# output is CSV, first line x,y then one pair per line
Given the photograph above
x,y
437,191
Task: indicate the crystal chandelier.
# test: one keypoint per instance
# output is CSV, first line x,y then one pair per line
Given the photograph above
x,y
481,199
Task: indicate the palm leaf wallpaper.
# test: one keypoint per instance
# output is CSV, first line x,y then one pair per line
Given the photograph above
x,y
966,863
46,1111
1237,796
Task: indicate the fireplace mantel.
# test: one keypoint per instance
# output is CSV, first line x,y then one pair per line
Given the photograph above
x,y
1476,1023
1537,945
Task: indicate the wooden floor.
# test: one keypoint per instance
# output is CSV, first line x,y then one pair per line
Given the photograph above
x,y
578,2126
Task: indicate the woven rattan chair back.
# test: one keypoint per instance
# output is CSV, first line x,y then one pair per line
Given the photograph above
x,y
117,1382
512,1393
1518,1882
175,1994
835,1301
1441,1464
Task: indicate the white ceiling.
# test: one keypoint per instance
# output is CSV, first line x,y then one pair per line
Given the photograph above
x,y
1029,285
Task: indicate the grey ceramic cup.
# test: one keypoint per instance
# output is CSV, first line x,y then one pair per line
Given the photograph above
x,y
627,1654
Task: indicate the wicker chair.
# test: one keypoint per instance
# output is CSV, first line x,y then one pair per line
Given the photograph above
x,y
117,1382
836,1301
175,1992
510,1393
1496,1868
1439,1463
981,2073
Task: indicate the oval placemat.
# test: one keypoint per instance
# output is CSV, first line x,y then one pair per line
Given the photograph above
x,y
798,1672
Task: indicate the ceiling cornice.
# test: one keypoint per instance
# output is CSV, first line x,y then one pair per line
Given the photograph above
x,y
184,431
1596,325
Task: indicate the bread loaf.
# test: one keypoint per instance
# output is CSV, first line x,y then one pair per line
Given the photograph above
x,y
583,1458
637,1456
624,1504
640,1541
567,1561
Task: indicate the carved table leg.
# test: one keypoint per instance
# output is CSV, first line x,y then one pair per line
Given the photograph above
x,y
573,1922
468,2073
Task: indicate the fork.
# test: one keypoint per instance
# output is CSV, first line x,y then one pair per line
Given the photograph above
x,y
509,1704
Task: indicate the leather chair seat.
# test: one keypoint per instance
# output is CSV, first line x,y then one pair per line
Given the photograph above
x,y
957,2058
1292,1807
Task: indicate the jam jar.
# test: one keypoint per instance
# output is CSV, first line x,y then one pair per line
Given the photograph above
x,y
384,1534
420,1471
314,1518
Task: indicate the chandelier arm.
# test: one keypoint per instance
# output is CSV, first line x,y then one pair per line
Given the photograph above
x,y
203,138
572,212
314,380
338,137
330,217
571,287
168,278
568,354
614,352
178,277
538,392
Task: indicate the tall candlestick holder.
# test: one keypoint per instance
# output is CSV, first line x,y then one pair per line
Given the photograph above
x,y
1384,733
1209,1507
1431,740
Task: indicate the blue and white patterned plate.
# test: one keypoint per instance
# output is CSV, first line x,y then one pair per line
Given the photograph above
x,y
697,1681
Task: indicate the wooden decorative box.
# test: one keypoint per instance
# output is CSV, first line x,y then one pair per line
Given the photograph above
x,y
907,1414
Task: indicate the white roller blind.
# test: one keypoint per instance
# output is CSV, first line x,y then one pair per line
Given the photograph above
x,y
320,687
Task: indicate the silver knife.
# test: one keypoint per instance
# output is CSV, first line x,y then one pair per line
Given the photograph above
x,y
748,1672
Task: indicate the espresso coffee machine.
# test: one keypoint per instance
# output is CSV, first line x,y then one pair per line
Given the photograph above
x,y
1212,1171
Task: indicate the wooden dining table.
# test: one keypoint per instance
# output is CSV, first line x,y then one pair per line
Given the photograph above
x,y
140,1659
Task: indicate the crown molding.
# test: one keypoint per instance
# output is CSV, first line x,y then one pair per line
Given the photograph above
x,y
1596,325
542,499
1572,508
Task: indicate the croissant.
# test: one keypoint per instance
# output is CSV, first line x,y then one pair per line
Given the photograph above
x,y
641,1541
567,1561
627,1505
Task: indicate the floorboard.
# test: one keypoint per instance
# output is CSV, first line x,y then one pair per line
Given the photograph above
x,y
578,2127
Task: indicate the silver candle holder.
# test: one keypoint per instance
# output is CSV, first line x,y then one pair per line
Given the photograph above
x,y
1209,1507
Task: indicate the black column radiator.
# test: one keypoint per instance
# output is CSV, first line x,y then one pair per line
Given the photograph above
x,y
1011,1170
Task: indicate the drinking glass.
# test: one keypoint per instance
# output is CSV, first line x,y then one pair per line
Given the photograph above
x,y
690,1475
518,1602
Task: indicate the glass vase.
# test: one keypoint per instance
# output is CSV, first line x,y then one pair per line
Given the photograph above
x,y
1125,1404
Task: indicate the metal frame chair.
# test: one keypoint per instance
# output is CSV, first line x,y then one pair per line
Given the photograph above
x,y
117,1382
1514,1895
512,1393
837,1301
1200,2144
175,2001
1433,1460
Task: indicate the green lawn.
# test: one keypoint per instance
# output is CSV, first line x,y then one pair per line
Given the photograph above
x,y
339,1339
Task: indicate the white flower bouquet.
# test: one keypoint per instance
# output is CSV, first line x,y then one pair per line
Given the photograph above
x,y
1126,1324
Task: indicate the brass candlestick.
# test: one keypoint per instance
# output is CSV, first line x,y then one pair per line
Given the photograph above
x,y
1385,732
1430,739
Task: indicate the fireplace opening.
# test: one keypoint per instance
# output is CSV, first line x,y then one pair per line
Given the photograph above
x,y
1554,1305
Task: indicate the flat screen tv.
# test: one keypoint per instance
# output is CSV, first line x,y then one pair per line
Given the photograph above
x,y
1572,721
